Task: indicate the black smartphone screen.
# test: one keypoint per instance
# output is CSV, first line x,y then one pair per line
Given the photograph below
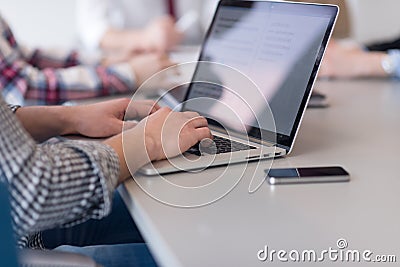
x,y
307,172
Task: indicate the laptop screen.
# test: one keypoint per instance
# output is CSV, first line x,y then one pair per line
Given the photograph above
x,y
279,47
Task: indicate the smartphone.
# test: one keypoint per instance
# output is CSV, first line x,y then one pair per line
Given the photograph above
x,y
307,175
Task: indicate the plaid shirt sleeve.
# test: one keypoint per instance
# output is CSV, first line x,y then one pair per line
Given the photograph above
x,y
56,183
42,59
42,78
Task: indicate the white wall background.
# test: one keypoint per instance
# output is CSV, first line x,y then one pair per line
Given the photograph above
x,y
374,19
52,22
42,22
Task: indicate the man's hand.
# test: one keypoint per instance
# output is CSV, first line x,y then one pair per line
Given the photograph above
x,y
146,65
138,110
161,135
168,133
143,66
161,35
106,118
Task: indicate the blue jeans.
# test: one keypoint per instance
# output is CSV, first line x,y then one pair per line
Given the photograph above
x,y
112,241
124,255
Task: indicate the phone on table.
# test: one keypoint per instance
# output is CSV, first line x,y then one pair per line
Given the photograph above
x,y
307,175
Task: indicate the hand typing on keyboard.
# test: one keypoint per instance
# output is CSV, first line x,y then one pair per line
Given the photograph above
x,y
218,145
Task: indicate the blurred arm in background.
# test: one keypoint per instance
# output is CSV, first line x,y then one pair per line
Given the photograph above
x,y
354,61
127,27
52,78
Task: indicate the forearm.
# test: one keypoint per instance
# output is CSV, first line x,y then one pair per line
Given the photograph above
x,y
54,184
131,150
44,122
51,58
64,184
123,41
370,65
55,86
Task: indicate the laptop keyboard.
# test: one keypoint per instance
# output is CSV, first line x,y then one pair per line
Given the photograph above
x,y
223,145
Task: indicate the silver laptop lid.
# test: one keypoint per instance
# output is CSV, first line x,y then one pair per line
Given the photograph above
x,y
279,46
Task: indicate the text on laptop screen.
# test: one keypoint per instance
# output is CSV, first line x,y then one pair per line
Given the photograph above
x,y
276,45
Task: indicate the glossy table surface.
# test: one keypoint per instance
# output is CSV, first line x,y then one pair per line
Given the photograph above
x,y
360,131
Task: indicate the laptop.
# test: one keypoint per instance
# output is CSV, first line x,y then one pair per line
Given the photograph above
x,y
278,46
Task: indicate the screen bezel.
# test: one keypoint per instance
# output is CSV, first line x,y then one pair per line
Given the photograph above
x,y
281,140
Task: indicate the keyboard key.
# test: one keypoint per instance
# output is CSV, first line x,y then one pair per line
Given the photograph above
x,y
223,145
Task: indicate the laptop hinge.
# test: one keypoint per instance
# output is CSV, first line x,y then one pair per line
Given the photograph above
x,y
243,136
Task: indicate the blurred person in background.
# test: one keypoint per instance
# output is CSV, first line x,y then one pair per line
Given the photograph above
x,y
45,77
134,26
347,59
355,61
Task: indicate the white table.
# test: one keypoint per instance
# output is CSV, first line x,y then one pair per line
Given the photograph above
x,y
360,131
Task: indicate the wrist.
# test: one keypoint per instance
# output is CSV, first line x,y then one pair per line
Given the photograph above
x,y
14,108
372,65
391,63
116,144
68,120
131,150
138,40
150,145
